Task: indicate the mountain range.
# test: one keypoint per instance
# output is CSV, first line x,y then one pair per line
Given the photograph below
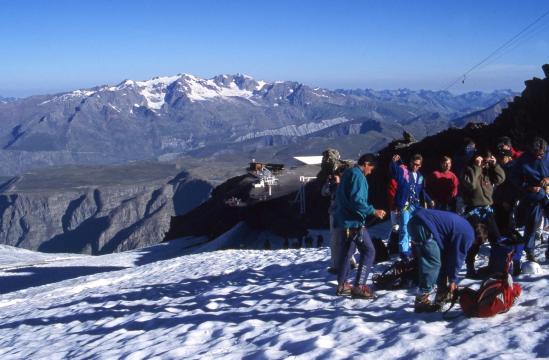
x,y
227,115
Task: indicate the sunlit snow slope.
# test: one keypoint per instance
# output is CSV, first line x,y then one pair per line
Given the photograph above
x,y
236,304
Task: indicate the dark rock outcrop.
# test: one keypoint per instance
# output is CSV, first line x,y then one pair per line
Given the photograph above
x,y
280,214
525,117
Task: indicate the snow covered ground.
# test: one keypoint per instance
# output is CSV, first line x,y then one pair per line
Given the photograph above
x,y
237,304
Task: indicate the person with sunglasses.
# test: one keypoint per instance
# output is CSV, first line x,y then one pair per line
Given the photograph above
x,y
410,195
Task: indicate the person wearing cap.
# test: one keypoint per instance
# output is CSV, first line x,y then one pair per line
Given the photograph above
x,y
441,240
329,189
352,209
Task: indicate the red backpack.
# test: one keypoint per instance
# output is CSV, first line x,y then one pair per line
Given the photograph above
x,y
495,296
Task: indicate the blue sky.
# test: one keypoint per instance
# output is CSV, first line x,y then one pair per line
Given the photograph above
x,y
49,46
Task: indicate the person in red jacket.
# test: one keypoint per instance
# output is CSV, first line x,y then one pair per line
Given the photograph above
x,y
442,185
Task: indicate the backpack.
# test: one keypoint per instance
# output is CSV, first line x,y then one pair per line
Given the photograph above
x,y
495,296
400,275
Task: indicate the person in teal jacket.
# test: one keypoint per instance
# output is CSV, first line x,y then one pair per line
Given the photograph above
x,y
352,209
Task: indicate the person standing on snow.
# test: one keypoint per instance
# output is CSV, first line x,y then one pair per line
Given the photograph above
x,y
441,240
531,174
329,189
352,209
410,195
442,185
479,180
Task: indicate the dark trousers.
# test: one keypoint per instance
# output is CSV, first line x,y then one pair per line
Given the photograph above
x,y
493,235
354,239
531,214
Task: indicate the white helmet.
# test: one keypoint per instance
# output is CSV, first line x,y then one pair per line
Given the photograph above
x,y
531,268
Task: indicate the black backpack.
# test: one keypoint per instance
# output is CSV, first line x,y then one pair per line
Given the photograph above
x,y
399,275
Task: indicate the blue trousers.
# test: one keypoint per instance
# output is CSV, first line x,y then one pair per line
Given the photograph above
x,y
354,239
429,257
404,238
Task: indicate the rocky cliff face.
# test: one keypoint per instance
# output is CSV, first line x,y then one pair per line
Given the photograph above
x,y
96,210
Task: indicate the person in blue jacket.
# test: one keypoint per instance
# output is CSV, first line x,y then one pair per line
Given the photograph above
x,y
410,195
352,209
441,240
530,173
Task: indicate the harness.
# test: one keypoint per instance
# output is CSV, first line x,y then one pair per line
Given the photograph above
x,y
413,198
481,212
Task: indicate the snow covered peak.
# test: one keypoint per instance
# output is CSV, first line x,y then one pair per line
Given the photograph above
x,y
194,88
76,94
220,86
155,90
158,81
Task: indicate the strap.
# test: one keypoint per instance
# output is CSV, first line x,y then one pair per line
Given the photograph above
x,y
508,262
455,298
496,283
480,211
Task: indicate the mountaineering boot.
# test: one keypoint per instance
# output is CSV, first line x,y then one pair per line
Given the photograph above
x,y
362,292
423,304
442,297
344,289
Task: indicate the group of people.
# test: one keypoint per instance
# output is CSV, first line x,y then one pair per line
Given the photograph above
x,y
442,220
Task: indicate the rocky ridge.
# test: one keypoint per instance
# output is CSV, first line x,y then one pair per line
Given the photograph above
x,y
184,114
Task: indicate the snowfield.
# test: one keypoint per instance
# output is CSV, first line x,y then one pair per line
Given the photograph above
x,y
237,304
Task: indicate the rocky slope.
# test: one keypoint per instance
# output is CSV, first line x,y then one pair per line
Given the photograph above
x,y
96,210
